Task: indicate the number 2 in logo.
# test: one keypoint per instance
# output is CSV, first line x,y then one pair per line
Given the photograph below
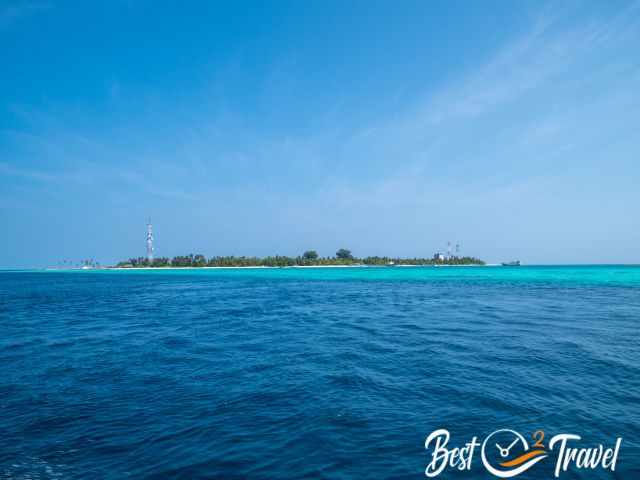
x,y
538,436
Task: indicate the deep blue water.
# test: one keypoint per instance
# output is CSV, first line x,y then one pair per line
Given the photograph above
x,y
310,373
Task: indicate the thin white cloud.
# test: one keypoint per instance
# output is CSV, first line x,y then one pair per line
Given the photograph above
x,y
39,175
528,62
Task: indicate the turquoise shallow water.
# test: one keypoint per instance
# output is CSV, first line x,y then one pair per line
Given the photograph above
x,y
310,373
578,274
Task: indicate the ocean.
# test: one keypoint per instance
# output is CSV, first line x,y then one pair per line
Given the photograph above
x,y
337,373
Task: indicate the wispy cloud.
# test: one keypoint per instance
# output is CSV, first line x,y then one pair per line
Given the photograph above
x,y
535,58
549,79
39,175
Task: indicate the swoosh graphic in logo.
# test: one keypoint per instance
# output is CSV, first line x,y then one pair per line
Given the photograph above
x,y
522,458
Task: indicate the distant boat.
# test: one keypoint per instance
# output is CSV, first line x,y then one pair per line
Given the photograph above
x,y
515,263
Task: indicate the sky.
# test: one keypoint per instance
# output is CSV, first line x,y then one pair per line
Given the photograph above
x,y
388,128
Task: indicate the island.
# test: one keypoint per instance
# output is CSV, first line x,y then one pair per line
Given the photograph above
x,y
310,258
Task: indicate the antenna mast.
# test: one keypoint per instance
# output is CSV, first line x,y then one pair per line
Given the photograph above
x,y
149,242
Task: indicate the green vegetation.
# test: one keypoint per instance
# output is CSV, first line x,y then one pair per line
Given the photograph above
x,y
308,258
310,255
344,254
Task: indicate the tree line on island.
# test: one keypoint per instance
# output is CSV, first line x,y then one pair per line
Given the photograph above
x,y
307,259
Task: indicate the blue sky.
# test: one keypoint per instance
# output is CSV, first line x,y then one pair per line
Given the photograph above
x,y
275,127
